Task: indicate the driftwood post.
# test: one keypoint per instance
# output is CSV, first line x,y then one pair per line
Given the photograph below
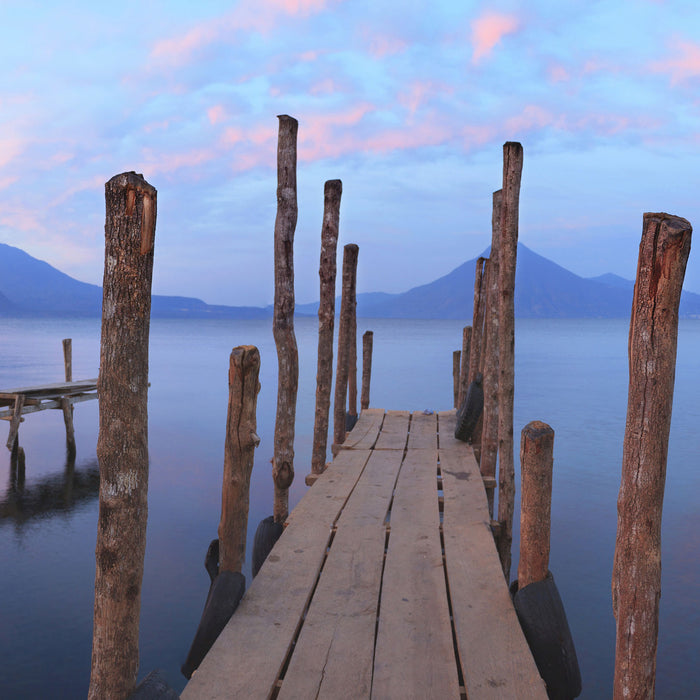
x,y
239,455
636,583
283,316
352,358
464,367
350,253
507,252
122,444
333,190
536,462
367,343
66,405
456,365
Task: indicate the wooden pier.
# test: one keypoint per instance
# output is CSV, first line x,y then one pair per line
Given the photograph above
x,y
386,583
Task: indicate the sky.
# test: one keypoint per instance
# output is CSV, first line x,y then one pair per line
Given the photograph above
x,y
408,103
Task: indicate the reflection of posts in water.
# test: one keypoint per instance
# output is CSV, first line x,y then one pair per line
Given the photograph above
x,y
122,445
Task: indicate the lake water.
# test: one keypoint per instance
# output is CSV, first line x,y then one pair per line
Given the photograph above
x,y
570,374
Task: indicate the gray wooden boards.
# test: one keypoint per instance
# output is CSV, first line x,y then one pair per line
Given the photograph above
x,y
496,661
364,435
394,431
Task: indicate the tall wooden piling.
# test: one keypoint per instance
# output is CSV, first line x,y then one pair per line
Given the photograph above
x,y
456,366
489,431
350,254
478,312
464,367
333,191
636,582
352,359
283,316
67,406
239,455
507,253
122,444
367,344
536,463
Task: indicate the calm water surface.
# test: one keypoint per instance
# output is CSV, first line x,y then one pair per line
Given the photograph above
x,y
571,374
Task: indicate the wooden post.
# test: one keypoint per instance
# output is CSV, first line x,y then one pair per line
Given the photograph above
x,y
536,462
636,582
122,444
66,405
464,367
456,366
12,437
352,356
333,191
507,252
489,432
474,360
283,316
350,253
367,344
239,454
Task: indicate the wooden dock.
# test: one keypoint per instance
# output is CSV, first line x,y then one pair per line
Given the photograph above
x,y
385,583
14,403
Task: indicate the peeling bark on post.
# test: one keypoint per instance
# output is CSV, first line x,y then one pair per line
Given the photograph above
x,y
636,583
283,316
239,455
326,319
122,444
536,463
350,253
367,344
489,432
464,367
456,366
507,252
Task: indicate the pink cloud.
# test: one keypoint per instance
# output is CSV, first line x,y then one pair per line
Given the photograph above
x,y
5,182
381,46
216,114
10,148
154,163
488,30
420,92
531,117
684,65
558,74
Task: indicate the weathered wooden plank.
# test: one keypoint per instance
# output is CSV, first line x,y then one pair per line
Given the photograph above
x,y
44,405
57,389
414,655
496,661
394,431
248,656
333,655
364,434
423,431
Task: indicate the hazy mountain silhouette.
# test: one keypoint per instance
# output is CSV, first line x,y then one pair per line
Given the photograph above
x,y
543,289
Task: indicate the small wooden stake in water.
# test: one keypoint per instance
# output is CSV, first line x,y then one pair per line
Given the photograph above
x,y
464,364
536,462
283,316
66,405
122,444
636,583
326,319
350,253
239,455
507,252
367,343
456,365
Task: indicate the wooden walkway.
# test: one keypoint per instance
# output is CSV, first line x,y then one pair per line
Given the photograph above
x,y
385,584
18,402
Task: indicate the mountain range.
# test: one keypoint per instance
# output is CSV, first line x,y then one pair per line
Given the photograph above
x,y
543,289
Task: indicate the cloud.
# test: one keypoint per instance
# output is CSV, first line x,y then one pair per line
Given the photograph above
x,y
10,148
683,65
488,30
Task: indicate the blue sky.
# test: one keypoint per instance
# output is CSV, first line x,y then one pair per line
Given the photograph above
x,y
407,103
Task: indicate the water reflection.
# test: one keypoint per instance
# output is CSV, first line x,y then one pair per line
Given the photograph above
x,y
49,495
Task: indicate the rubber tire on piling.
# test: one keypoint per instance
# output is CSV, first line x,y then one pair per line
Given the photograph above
x,y
266,535
225,594
154,687
543,620
470,410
